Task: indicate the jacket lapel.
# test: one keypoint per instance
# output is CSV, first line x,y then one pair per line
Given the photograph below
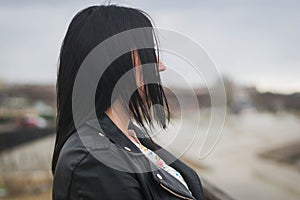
x,y
187,173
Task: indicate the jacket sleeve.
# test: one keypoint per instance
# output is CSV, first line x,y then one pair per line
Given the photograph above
x,y
92,179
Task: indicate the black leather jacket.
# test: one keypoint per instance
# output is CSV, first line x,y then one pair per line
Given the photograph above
x,y
108,166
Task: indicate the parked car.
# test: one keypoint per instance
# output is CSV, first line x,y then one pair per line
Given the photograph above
x,y
31,121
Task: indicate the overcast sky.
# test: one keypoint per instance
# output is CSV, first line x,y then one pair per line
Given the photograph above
x,y
255,42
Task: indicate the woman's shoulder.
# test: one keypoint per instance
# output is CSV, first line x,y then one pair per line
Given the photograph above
x,y
95,163
79,144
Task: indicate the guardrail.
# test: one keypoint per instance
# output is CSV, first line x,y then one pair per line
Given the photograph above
x,y
15,137
211,192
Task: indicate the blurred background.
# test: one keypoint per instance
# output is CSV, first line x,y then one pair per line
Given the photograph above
x,y
253,43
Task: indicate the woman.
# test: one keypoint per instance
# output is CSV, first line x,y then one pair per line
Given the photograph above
x,y
119,160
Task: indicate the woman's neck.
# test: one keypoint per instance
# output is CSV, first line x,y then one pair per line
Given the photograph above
x,y
119,116
121,119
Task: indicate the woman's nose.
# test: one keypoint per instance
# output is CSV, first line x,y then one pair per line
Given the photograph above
x,y
161,66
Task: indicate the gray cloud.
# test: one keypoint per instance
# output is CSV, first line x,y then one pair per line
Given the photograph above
x,y
253,41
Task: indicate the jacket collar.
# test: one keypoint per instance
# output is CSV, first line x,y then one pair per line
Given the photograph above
x,y
109,129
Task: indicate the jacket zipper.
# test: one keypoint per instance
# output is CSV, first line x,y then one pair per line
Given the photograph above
x,y
174,193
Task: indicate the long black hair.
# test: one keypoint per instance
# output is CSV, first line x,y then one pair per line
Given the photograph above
x,y
87,29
